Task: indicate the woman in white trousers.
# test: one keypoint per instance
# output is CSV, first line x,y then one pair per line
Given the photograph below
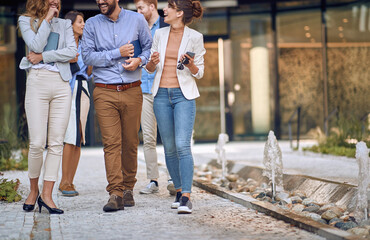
x,y
50,45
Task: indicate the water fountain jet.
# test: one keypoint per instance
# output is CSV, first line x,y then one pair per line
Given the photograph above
x,y
272,160
362,156
223,138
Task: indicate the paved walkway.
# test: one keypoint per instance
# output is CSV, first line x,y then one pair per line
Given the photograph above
x,y
151,218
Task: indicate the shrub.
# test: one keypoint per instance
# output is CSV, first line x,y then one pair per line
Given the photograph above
x,y
343,138
8,190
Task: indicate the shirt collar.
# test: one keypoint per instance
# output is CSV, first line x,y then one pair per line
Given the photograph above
x,y
120,16
156,22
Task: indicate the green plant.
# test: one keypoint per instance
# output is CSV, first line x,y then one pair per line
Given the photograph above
x,y
342,139
8,190
10,141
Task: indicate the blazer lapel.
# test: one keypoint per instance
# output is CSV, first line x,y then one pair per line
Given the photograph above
x,y
184,42
164,42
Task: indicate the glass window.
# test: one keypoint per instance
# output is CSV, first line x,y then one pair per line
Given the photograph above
x,y
248,81
214,22
348,59
299,27
300,71
349,23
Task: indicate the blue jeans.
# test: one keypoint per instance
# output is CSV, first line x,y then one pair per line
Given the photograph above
x,y
175,118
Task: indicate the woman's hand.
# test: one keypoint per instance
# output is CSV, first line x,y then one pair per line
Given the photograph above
x,y
34,58
74,59
89,70
193,69
154,60
53,12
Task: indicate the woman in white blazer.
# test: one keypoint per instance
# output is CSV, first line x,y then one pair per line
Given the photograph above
x,y
48,95
175,89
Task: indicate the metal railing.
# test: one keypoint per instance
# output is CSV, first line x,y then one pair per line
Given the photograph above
x,y
326,121
298,113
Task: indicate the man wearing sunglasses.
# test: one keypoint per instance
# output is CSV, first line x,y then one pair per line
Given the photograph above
x,y
117,44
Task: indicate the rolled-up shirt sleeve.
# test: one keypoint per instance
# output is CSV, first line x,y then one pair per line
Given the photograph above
x,y
145,38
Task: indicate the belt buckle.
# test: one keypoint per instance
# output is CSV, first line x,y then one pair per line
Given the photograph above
x,y
119,88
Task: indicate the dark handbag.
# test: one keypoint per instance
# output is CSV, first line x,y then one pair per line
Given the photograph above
x,y
74,67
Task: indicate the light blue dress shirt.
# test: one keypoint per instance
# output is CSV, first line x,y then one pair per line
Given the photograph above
x,y
147,78
101,40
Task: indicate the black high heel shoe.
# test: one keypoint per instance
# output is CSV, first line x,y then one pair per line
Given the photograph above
x,y
51,210
30,207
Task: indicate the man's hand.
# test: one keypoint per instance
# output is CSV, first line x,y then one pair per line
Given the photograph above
x,y
131,64
74,59
53,12
127,50
34,58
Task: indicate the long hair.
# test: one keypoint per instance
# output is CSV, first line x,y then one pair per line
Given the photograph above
x,y
37,9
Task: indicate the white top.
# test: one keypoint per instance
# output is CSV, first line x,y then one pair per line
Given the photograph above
x,y
192,41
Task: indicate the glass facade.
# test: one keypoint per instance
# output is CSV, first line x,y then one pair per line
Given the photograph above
x,y
318,63
348,31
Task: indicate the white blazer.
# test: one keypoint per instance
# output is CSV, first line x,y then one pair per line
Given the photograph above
x,y
192,41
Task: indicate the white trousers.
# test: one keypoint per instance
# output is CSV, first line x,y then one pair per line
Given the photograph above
x,y
47,105
149,129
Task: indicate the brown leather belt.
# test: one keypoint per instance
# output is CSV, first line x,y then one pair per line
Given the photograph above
x,y
119,87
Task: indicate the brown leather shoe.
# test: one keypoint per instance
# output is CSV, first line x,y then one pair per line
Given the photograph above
x,y
115,203
128,198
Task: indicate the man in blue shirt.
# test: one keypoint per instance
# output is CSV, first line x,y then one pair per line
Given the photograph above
x,y
148,121
106,45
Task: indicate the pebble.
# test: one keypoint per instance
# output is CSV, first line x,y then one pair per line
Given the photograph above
x,y
308,201
313,216
338,211
359,231
261,195
281,196
325,208
312,209
333,221
232,177
328,215
296,199
298,207
345,225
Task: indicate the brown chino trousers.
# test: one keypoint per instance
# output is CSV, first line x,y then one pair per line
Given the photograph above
x,y
119,116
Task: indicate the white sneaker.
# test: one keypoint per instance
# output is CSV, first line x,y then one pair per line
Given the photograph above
x,y
176,203
185,206
171,188
150,188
